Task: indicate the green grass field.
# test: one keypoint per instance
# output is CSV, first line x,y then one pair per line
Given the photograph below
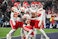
x,y
4,31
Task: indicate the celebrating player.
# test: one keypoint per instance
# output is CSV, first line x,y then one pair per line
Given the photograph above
x,y
29,27
15,21
37,18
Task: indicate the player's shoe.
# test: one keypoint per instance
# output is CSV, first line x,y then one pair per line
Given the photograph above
x,y
8,36
47,38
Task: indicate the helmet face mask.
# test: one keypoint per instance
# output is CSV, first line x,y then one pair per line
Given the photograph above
x,y
33,6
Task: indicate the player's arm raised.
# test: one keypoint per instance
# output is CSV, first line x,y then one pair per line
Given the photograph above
x,y
41,19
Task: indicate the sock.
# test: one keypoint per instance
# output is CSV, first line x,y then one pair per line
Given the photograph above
x,y
29,34
9,35
43,32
